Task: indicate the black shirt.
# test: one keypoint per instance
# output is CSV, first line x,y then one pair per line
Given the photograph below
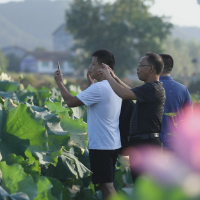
x,y
147,116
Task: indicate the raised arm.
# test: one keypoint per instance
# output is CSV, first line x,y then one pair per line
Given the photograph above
x,y
124,93
70,100
119,81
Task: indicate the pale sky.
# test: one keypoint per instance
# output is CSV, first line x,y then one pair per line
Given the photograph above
x,y
182,12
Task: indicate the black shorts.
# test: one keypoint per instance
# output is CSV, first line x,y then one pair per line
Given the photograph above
x,y
102,164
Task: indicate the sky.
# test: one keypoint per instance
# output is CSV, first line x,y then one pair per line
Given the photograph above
x,y
182,12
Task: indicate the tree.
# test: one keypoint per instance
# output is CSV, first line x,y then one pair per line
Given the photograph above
x,y
3,62
124,27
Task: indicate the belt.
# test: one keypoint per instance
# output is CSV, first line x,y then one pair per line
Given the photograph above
x,y
143,136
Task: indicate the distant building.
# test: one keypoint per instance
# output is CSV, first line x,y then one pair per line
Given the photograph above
x,y
46,62
62,40
16,51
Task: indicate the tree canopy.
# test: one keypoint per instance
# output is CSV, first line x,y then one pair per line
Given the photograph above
x,y
125,27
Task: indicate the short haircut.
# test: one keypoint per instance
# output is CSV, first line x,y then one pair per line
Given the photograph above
x,y
105,56
155,60
168,63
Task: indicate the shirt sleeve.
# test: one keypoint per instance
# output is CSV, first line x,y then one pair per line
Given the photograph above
x,y
91,95
144,93
188,101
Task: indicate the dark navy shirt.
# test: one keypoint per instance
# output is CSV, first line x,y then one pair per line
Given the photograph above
x,y
148,112
177,97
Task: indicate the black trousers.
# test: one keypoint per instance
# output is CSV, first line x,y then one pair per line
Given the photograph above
x,y
150,143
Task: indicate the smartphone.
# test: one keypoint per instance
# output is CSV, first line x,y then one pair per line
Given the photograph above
x,y
58,65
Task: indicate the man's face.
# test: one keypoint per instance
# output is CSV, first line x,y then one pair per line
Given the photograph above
x,y
143,69
94,66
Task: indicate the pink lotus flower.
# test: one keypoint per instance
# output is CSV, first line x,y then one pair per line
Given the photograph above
x,y
163,167
187,142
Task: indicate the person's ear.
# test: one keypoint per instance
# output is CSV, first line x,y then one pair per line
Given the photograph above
x,y
151,69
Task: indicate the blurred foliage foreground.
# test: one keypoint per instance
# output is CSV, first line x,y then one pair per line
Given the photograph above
x,y
44,155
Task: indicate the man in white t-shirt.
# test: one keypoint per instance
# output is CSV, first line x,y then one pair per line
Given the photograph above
x,y
103,107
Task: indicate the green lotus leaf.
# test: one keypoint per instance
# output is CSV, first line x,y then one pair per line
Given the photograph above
x,y
26,96
73,192
20,128
57,137
86,194
77,129
0,177
81,169
19,196
16,180
44,92
44,187
57,189
46,158
3,194
9,104
147,188
2,101
81,154
80,112
31,89
55,95
56,106
66,193
118,179
9,95
7,86
31,165
64,169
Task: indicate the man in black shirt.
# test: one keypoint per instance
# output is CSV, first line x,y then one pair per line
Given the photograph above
x,y
146,120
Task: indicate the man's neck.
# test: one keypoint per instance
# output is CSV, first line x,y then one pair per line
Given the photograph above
x,y
152,79
165,75
100,79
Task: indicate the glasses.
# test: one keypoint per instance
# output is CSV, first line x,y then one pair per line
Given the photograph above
x,y
143,65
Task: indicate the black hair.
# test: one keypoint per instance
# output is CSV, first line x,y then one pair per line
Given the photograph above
x,y
155,60
168,63
105,56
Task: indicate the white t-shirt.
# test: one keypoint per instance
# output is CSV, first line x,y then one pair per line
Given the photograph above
x,y
103,110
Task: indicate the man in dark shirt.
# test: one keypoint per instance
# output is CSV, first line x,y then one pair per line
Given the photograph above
x,y
177,100
146,120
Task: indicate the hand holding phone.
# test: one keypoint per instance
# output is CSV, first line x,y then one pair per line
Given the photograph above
x,y
59,70
58,65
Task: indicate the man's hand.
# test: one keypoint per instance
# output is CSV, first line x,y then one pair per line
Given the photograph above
x,y
105,71
112,72
89,78
58,76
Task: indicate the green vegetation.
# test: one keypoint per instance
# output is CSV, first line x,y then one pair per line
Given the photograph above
x,y
43,150
43,145
126,28
183,54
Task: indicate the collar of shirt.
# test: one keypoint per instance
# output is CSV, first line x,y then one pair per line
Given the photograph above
x,y
165,78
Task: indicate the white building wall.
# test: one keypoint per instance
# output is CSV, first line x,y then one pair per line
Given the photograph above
x,y
45,67
67,68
